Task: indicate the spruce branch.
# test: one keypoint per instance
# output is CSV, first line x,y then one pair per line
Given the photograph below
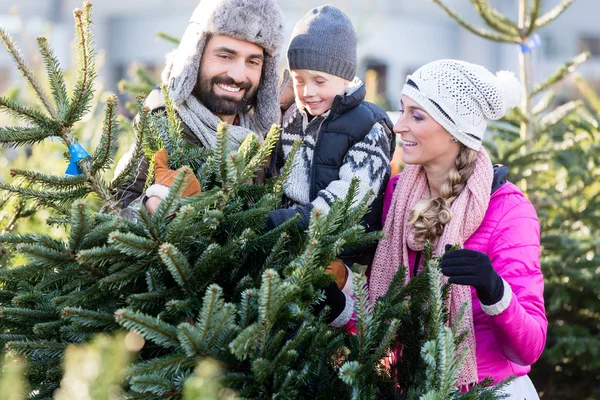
x,y
588,93
50,182
84,90
89,318
142,128
29,115
553,14
533,17
26,72
54,199
561,73
178,266
503,38
280,184
169,364
39,349
13,136
151,328
131,244
495,19
56,75
80,225
107,148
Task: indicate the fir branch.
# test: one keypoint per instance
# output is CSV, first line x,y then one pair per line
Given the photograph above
x,y
80,225
90,319
56,75
57,198
280,184
51,182
151,328
47,329
495,19
128,173
248,307
553,14
275,251
168,38
533,17
132,244
484,33
169,205
265,150
105,152
26,72
189,338
153,385
15,136
99,256
25,315
84,91
178,266
220,155
174,127
561,73
121,276
40,349
170,364
29,115
559,114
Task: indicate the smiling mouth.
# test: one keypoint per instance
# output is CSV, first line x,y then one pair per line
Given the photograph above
x,y
313,103
408,144
229,88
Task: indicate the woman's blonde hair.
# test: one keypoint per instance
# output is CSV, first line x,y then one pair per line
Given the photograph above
x,y
430,216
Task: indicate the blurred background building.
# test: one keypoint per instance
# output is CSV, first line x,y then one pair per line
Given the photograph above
x,y
395,36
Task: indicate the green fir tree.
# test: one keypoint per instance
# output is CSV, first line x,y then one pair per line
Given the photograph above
x,y
552,153
201,277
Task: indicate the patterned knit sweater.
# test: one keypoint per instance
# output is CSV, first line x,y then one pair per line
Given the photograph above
x,y
366,160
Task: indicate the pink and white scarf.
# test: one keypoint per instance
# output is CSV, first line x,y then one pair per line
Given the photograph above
x,y
468,211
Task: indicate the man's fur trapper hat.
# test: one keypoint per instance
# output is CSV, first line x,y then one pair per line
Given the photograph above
x,y
255,21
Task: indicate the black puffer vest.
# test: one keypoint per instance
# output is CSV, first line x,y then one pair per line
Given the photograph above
x,y
349,121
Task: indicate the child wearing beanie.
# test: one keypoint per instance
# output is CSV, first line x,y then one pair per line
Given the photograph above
x,y
342,135
450,195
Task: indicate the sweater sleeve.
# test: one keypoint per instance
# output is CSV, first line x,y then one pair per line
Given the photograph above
x,y
519,325
367,160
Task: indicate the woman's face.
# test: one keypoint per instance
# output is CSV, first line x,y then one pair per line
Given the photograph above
x,y
424,141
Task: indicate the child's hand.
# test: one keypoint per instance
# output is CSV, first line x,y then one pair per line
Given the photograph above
x,y
286,91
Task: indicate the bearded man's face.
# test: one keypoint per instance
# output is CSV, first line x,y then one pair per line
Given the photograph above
x,y
229,75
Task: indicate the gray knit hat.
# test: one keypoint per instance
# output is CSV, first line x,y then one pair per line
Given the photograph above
x,y
255,21
324,40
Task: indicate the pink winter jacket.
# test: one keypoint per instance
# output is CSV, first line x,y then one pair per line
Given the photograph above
x,y
508,343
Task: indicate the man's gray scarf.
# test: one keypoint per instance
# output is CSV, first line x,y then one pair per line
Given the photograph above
x,y
204,125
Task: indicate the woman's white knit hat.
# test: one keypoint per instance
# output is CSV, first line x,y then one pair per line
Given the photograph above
x,y
461,96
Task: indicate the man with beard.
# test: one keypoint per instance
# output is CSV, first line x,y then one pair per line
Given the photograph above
x,y
225,69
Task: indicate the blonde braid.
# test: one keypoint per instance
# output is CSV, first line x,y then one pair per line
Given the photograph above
x,y
430,216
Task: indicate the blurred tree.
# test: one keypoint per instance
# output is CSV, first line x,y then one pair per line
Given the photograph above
x,y
553,153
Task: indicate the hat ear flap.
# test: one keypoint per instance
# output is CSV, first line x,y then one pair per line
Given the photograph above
x,y
185,64
267,109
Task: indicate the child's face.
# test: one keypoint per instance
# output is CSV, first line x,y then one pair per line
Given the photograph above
x,y
315,91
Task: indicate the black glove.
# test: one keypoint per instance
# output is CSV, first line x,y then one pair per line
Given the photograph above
x,y
473,268
278,217
335,299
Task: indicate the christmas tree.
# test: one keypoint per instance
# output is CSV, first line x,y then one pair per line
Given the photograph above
x,y
552,154
201,277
